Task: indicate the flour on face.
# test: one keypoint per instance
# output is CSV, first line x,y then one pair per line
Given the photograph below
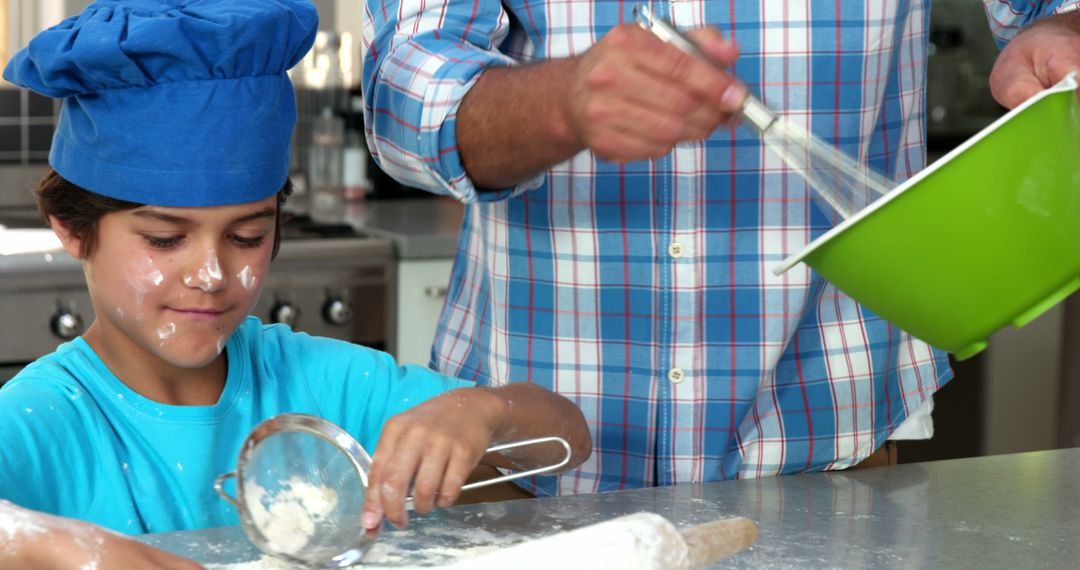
x,y
209,276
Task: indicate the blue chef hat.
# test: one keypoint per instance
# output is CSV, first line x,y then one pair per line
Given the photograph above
x,y
172,102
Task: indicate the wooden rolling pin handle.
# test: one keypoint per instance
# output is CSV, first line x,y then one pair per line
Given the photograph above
x,y
716,540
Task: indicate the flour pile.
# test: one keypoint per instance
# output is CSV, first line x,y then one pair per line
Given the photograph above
x,y
289,517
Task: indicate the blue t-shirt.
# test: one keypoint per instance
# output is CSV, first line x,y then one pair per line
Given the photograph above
x,y
76,441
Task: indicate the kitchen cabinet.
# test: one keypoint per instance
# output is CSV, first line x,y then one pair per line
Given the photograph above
x,y
1022,377
424,233
1068,427
8,372
420,291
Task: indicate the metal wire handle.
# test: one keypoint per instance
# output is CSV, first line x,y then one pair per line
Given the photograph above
x,y
409,501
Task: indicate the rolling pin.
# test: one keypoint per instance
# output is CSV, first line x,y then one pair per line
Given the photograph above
x,y
641,541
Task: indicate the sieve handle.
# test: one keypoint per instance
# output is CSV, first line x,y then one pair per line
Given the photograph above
x,y
519,474
530,472
219,486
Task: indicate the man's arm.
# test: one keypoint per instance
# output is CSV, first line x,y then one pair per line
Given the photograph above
x,y
445,113
630,97
512,124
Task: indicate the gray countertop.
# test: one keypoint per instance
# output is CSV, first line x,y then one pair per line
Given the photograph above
x,y
1004,511
420,228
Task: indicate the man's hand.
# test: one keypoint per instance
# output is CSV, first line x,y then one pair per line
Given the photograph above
x,y
629,97
43,542
1037,58
633,96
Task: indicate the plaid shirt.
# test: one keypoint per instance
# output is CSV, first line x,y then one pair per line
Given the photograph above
x,y
643,292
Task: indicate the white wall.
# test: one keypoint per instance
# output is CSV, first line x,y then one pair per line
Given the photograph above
x,y
347,16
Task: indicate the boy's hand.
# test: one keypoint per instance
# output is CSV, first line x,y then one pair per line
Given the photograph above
x,y
431,448
47,542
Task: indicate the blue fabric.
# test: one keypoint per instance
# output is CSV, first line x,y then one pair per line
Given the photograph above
x,y
172,103
691,367
79,443
1009,17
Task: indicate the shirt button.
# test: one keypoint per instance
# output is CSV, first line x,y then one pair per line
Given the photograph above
x,y
675,375
675,250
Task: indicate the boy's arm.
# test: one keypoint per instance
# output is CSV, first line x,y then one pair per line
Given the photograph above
x,y
435,445
30,539
534,412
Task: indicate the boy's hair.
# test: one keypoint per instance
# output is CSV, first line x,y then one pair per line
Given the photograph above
x,y
80,209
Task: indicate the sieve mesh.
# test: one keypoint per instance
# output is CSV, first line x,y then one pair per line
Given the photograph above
x,y
304,496
301,484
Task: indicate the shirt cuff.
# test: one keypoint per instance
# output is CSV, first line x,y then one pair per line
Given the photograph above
x,y
1007,21
448,169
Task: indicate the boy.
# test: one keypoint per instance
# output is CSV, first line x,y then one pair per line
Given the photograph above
x,y
169,168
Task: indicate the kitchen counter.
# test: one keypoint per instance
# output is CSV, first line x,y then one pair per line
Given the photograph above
x,y
420,228
1003,511
400,257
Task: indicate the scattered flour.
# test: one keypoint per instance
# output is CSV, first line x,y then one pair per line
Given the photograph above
x,y
384,561
264,563
289,517
15,524
383,556
642,541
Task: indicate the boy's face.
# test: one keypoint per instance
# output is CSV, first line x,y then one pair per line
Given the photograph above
x,y
176,282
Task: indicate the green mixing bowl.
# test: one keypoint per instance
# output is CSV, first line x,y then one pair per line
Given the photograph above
x,y
985,237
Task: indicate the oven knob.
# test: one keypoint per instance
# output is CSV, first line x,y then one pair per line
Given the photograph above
x,y
66,325
337,311
286,313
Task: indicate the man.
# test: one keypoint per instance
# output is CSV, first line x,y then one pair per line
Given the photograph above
x,y
617,241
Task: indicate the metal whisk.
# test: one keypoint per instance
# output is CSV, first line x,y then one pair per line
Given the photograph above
x,y
841,186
